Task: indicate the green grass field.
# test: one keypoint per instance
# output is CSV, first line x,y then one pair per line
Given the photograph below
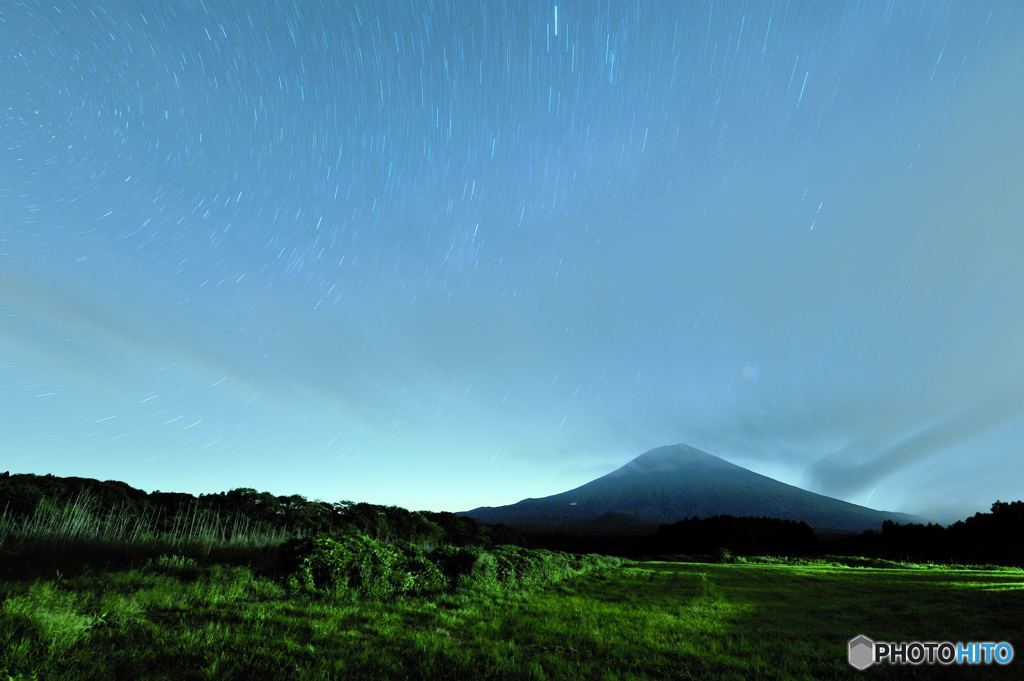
x,y
178,620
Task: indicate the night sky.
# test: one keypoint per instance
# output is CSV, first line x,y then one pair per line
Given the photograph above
x,y
446,254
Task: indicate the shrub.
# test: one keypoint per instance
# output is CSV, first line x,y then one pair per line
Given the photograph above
x,y
423,575
512,568
357,564
462,565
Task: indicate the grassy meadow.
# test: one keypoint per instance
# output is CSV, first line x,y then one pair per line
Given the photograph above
x,y
178,618
102,581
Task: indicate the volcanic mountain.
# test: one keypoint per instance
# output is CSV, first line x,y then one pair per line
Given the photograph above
x,y
668,484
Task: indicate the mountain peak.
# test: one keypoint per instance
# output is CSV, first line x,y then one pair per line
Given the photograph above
x,y
680,453
672,459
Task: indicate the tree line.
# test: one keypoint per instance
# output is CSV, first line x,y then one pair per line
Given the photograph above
x,y
992,537
22,495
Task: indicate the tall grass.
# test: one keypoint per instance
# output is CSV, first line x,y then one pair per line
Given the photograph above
x,y
83,519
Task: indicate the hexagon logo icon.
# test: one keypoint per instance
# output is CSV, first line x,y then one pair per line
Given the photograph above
x,y
862,652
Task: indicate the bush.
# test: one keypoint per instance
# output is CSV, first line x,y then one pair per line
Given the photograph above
x,y
422,574
358,565
512,568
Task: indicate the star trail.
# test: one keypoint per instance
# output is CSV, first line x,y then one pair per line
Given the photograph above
x,y
446,254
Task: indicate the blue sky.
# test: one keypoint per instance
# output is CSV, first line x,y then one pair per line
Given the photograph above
x,y
452,254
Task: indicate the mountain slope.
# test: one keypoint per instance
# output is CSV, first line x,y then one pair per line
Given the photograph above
x,y
671,483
